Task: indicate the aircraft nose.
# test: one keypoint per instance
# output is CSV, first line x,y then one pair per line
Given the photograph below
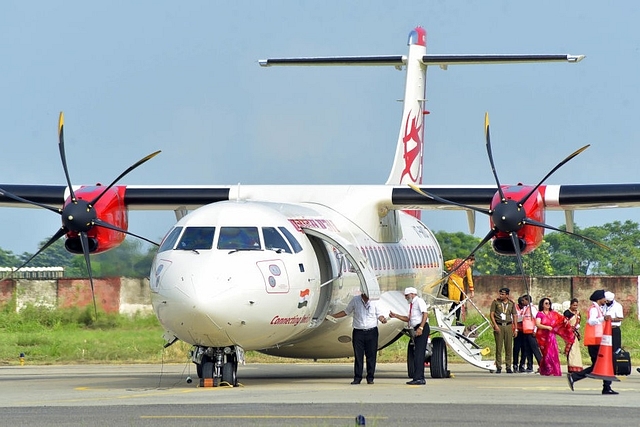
x,y
216,303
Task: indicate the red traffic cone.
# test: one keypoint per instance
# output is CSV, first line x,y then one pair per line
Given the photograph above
x,y
603,368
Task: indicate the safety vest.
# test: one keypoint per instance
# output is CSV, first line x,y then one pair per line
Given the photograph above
x,y
593,333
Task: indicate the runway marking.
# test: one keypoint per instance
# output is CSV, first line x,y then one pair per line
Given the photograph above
x,y
264,417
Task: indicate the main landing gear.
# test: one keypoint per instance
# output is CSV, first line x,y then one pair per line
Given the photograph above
x,y
217,366
435,356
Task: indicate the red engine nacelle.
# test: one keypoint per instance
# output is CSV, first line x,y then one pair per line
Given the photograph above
x,y
529,236
110,208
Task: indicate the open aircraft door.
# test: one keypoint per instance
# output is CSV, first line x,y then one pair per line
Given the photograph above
x,y
368,282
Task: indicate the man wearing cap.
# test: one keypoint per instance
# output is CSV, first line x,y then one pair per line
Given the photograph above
x,y
503,318
417,320
364,337
614,309
592,337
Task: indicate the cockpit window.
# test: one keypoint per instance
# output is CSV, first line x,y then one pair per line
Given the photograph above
x,y
294,243
196,238
239,238
170,240
274,240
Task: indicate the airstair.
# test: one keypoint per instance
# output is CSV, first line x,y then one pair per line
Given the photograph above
x,y
461,339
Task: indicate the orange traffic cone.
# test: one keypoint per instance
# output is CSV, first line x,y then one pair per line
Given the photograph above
x,y
603,368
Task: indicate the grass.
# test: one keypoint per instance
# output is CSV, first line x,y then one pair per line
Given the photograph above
x,y
74,336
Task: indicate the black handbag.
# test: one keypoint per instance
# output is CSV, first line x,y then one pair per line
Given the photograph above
x,y
445,290
622,362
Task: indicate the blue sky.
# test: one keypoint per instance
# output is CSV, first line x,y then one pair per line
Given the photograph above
x,y
135,77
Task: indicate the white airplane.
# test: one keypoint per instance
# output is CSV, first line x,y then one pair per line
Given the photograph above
x,y
259,267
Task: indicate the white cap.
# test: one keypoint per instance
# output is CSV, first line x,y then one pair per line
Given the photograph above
x,y
609,296
410,290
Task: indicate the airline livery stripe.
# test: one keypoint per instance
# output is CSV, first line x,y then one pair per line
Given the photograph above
x,y
47,194
336,60
468,196
599,194
158,196
432,59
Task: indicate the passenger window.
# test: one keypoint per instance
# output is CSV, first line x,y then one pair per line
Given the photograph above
x,y
239,238
170,240
274,240
294,243
196,238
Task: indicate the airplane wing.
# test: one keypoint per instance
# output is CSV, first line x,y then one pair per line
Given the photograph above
x,y
555,197
172,197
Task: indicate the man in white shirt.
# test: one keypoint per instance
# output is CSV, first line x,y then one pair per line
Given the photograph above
x,y
364,338
417,319
592,338
614,309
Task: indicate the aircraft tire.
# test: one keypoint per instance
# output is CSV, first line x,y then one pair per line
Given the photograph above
x,y
410,366
438,366
229,373
208,367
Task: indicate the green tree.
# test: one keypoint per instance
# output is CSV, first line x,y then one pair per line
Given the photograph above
x,y
624,241
54,256
8,259
536,263
460,245
456,245
572,255
131,258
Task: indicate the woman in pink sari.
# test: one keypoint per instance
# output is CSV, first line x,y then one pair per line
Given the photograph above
x,y
549,323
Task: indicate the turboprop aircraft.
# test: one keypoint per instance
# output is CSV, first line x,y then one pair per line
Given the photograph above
x,y
259,267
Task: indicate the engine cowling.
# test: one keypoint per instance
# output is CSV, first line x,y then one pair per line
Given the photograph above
x,y
529,236
110,208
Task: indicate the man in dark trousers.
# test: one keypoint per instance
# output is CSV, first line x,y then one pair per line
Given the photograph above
x,y
417,319
504,321
364,338
592,338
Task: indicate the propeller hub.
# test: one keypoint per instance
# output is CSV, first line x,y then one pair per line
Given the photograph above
x,y
78,216
508,216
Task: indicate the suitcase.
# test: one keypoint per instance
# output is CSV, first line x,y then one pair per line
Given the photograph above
x,y
622,362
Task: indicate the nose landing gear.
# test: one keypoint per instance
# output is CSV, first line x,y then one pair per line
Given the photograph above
x,y
216,366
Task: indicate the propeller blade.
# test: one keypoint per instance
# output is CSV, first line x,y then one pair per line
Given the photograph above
x,y
29,202
558,166
132,167
486,238
63,157
84,241
445,201
550,227
101,223
488,144
61,232
516,247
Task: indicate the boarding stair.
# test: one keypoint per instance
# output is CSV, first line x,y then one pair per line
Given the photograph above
x,y
460,338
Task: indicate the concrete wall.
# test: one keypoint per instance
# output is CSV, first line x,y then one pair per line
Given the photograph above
x,y
559,289
113,295
128,296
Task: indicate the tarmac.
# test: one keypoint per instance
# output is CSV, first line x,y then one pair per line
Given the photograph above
x,y
303,394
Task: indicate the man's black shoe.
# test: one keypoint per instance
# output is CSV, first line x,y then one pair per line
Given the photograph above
x,y
416,382
609,391
499,371
509,371
354,382
369,381
570,380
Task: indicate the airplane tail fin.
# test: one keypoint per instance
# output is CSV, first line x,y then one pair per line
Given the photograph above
x,y
407,163
408,160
